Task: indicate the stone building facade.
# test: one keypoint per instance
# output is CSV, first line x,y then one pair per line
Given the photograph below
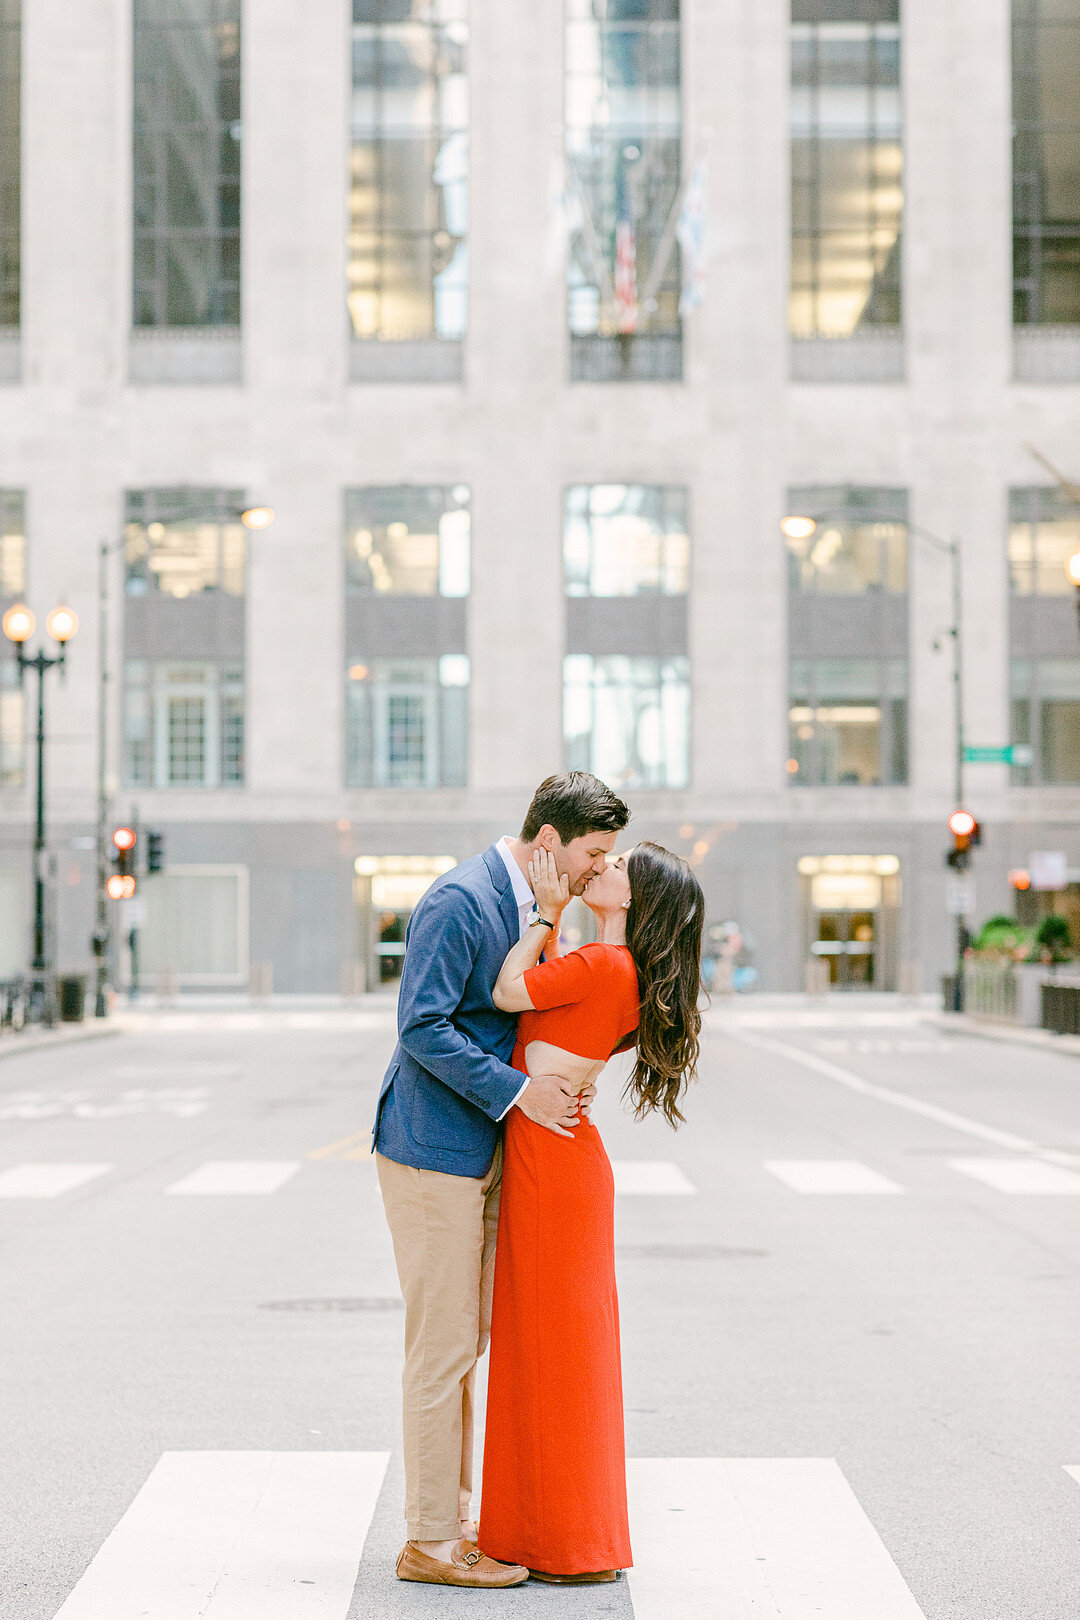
x,y
373,269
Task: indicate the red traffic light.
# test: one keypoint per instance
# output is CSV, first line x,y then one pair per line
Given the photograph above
x,y
121,886
962,824
124,838
1020,879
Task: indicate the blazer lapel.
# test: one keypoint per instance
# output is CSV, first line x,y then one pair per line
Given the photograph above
x,y
500,879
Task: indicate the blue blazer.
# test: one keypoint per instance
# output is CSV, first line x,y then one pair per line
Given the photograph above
x,y
449,1082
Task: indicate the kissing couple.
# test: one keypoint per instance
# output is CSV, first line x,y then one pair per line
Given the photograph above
x,y
483,1128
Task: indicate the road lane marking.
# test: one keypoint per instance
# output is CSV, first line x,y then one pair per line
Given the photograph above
x,y
228,1535
898,1099
183,1102
47,1180
237,1176
1020,1175
269,1020
359,1140
756,1539
882,1046
652,1176
830,1176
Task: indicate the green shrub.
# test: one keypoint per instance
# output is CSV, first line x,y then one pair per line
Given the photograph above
x,y
1005,935
1052,935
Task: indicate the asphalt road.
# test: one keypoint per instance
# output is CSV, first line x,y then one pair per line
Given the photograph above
x,y
850,1338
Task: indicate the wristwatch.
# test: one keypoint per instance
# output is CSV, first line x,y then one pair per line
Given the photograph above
x,y
535,920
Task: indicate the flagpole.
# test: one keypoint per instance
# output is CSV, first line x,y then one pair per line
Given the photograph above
x,y
665,245
592,241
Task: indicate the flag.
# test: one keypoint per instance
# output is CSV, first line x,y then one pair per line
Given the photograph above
x,y
626,299
691,231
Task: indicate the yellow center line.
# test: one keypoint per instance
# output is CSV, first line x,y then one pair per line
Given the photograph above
x,y
338,1147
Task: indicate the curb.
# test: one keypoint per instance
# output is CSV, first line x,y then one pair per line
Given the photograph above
x,y
18,1045
1012,1034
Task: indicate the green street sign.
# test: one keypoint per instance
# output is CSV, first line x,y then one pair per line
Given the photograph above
x,y
1011,754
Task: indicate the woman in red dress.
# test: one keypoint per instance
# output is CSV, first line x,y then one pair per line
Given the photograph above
x,y
554,1486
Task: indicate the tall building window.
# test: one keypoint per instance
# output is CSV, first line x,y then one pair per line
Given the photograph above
x,y
623,120
10,159
12,588
626,674
847,636
848,722
846,167
185,564
1046,162
409,171
1046,717
1044,532
627,720
406,636
626,540
407,540
407,722
183,724
848,557
187,163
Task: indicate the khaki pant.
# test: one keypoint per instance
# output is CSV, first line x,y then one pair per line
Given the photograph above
x,y
443,1229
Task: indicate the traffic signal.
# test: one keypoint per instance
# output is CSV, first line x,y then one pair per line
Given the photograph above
x,y
121,885
155,852
966,834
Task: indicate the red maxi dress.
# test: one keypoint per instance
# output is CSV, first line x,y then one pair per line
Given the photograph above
x,y
554,1486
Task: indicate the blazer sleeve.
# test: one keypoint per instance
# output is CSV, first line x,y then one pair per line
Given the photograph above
x,y
444,940
562,981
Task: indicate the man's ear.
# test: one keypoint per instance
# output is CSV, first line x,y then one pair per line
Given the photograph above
x,y
548,839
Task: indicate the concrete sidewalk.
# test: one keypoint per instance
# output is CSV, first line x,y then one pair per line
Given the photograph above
x,y
992,1029
14,1044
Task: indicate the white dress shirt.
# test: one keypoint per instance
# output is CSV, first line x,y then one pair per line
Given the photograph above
x,y
522,892
524,897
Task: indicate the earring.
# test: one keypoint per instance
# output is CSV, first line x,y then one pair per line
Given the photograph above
x,y
626,905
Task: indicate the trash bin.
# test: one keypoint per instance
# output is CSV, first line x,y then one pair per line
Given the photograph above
x,y
71,994
950,1000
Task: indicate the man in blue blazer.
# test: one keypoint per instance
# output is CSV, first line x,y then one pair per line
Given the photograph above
x,y
438,1149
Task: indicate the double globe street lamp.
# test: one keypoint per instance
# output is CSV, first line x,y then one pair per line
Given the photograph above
x,y
18,625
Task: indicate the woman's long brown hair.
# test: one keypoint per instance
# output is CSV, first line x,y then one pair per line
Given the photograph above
x,y
663,935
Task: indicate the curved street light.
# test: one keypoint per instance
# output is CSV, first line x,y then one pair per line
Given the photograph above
x,y
257,517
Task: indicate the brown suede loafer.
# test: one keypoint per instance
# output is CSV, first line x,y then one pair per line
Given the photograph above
x,y
595,1577
468,1566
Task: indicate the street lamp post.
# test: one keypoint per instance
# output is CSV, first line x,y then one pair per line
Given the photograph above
x,y
18,626
799,527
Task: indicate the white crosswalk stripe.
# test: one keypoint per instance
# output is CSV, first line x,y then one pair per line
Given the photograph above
x,y
47,1180
830,1176
237,1535
1033,1176
651,1176
756,1539
633,1177
229,1176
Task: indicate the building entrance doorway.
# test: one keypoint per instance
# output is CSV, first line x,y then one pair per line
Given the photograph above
x,y
850,920
845,943
386,889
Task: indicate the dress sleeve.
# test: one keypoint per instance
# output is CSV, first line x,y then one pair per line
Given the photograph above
x,y
560,982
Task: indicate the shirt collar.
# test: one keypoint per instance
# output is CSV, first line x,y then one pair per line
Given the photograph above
x,y
523,895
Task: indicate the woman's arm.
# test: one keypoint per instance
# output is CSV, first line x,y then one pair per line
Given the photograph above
x,y
552,896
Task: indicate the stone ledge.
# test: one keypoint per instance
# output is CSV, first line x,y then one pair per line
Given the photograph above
x,y
185,355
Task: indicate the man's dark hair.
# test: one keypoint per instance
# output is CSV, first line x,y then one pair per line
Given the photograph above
x,y
574,803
